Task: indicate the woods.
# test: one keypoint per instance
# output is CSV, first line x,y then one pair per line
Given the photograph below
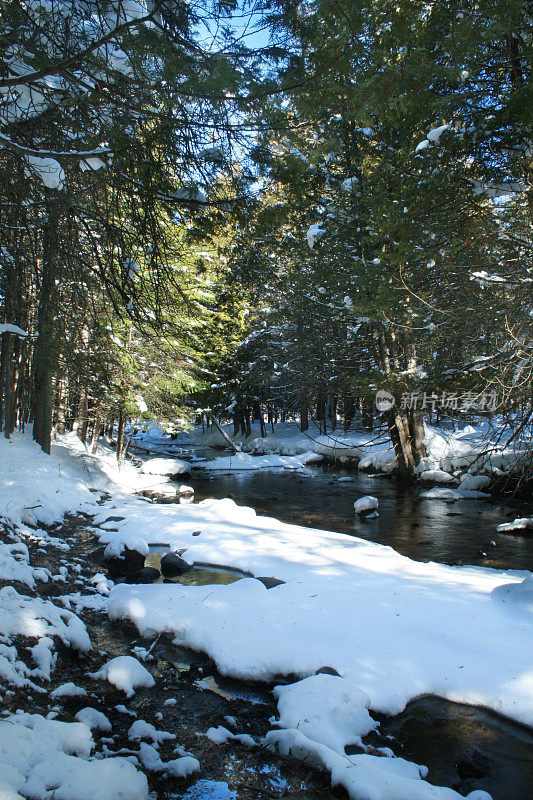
x,y
276,252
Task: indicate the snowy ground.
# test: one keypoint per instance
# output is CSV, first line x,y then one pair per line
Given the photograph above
x,y
473,454
392,628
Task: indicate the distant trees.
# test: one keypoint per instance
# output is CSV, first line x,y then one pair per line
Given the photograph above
x,y
395,227
378,236
117,121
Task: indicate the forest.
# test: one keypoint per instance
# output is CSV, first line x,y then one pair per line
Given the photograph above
x,y
266,399
282,222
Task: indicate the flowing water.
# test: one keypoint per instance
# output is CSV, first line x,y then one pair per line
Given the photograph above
x,y
457,742
426,530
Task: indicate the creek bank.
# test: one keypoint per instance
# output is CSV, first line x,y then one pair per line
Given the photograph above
x,y
186,697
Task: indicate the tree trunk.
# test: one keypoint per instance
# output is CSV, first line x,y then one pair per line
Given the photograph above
x,y
7,382
45,348
416,429
96,433
120,434
349,408
304,411
367,413
398,424
83,418
61,406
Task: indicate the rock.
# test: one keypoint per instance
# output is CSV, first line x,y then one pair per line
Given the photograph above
x,y
145,575
472,764
97,556
130,561
160,497
172,565
328,671
366,506
186,491
270,582
519,526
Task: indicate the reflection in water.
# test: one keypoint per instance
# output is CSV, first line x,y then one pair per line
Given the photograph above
x,y
431,731
426,530
197,576
208,790
444,735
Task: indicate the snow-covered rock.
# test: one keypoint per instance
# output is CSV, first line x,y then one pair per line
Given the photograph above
x,y
68,690
324,710
436,476
474,482
518,525
221,735
145,730
126,673
41,758
94,719
171,467
365,506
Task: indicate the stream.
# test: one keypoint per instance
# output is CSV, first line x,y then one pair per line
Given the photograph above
x,y
464,747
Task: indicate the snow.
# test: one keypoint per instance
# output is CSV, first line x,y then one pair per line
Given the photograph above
x,y
365,504
68,690
118,544
314,233
221,735
436,476
400,656
435,134
94,719
365,777
178,768
145,730
392,628
474,482
165,466
244,461
36,618
48,170
14,565
7,327
450,495
519,524
325,709
125,673
40,756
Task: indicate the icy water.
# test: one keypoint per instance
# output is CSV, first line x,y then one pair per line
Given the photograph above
x,y
450,738
426,530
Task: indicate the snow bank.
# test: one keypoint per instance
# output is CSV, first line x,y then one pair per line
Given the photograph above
x,y
427,633
482,449
37,619
15,566
165,466
41,757
37,488
394,629
244,461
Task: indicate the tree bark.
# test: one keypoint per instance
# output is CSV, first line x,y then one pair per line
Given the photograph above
x,y
96,433
120,434
45,348
83,418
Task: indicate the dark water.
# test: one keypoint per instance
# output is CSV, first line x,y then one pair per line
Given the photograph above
x,y
426,530
431,731
442,734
